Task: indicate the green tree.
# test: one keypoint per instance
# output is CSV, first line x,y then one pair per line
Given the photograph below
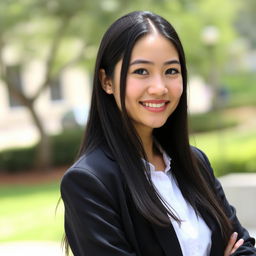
x,y
44,29
246,20
52,29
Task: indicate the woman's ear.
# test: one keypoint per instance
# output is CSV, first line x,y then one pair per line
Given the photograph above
x,y
106,82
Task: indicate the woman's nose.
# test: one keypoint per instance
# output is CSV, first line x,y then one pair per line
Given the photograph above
x,y
157,87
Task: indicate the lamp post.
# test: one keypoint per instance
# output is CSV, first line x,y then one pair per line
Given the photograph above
x,y
210,37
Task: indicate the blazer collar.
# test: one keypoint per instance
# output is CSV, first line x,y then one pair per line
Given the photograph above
x,y
168,240
104,146
167,237
218,246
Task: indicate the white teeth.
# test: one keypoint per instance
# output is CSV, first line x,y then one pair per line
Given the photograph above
x,y
153,105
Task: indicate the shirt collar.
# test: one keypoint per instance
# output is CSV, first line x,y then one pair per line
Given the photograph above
x,y
167,161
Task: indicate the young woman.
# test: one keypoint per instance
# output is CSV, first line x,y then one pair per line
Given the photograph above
x,y
139,188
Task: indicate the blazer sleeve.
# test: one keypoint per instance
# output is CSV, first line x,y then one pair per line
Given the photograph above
x,y
92,222
248,247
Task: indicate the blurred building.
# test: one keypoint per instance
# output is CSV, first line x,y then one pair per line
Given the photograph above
x,y
200,96
71,90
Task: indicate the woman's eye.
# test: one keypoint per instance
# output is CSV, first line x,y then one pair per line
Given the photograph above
x,y
141,71
172,71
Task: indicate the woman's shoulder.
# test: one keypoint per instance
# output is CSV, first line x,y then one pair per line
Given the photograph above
x,y
98,164
95,160
93,177
203,163
200,155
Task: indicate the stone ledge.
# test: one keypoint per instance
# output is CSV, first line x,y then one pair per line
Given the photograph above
x,y
239,180
240,190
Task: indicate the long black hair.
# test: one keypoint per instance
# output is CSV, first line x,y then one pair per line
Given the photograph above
x,y
107,124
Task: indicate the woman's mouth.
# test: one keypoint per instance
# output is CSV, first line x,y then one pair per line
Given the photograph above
x,y
155,105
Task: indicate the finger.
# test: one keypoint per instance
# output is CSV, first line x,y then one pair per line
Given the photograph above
x,y
237,245
230,244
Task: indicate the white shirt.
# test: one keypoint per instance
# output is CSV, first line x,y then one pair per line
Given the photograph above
x,y
193,234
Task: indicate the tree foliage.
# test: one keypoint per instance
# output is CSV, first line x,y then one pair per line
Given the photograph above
x,y
36,23
62,33
246,20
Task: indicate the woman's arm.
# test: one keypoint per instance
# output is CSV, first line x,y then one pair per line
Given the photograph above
x,y
92,222
247,248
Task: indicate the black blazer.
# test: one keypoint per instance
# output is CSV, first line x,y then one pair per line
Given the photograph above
x,y
102,220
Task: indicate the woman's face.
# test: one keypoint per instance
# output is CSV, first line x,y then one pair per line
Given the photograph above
x,y
154,82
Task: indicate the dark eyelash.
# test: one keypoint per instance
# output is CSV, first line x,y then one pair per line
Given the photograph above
x,y
139,71
176,71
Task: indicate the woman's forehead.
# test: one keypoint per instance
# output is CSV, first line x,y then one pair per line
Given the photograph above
x,y
154,47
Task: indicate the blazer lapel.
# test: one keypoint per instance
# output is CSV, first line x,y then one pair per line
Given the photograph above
x,y
217,247
168,240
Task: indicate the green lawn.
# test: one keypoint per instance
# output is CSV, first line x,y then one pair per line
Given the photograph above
x,y
241,88
228,150
28,213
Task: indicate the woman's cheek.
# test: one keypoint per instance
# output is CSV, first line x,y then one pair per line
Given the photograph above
x,y
177,88
133,86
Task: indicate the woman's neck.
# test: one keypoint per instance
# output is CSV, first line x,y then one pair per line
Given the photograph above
x,y
153,154
148,145
146,137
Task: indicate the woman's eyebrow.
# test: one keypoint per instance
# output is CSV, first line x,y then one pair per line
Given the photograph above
x,y
172,62
141,61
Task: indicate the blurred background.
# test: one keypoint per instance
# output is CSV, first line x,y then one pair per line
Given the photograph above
x,y
47,54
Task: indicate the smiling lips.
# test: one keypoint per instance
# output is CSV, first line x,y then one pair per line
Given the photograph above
x,y
155,105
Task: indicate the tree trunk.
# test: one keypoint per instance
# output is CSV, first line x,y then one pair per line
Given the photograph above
x,y
43,155
43,158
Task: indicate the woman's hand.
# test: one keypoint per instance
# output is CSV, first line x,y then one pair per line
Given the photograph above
x,y
233,244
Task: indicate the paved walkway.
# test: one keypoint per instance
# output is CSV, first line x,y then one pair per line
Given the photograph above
x,y
31,249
